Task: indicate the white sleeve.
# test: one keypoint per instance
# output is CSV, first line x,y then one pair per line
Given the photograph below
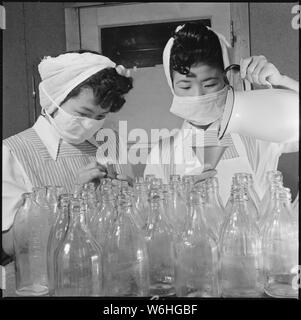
x,y
290,147
153,165
14,183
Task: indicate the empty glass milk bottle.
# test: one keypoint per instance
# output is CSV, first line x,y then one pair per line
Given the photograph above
x,y
213,211
40,196
160,248
52,194
148,179
280,250
246,181
268,206
273,177
187,186
126,258
177,209
89,196
30,234
79,264
241,254
197,256
141,202
103,222
56,236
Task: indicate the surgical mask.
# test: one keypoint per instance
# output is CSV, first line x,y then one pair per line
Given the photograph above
x,y
201,110
73,129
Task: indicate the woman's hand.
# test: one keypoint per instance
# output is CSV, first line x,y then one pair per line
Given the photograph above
x,y
92,171
205,175
258,70
123,178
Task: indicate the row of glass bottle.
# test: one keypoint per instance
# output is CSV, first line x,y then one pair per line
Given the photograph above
x,y
157,239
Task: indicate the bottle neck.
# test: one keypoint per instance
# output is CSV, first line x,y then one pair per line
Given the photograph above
x,y
212,194
27,199
240,203
197,215
39,195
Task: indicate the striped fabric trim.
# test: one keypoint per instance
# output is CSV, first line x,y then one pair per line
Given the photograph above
x,y
250,145
231,151
166,147
212,139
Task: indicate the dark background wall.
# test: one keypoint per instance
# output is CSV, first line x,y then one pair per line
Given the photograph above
x,y
35,29
272,35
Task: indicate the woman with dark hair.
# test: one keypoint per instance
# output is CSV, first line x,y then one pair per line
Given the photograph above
x,y
194,61
77,91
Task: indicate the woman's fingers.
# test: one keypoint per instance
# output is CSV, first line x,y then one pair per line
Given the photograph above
x,y
125,178
92,171
254,75
205,175
244,63
258,70
95,173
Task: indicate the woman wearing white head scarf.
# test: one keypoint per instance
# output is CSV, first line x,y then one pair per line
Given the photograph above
x,y
194,61
77,91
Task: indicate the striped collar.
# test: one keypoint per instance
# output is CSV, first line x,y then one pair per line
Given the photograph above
x,y
211,138
50,137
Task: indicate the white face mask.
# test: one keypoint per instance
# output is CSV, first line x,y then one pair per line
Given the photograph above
x,y
201,110
73,129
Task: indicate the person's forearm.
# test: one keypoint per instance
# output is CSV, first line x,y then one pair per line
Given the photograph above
x,y
289,83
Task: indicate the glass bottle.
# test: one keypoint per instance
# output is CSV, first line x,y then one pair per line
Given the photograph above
x,y
52,194
187,183
141,202
138,180
160,248
287,199
241,253
92,205
175,178
155,183
245,180
40,196
177,208
148,179
280,251
56,236
213,212
252,193
197,256
126,257
269,206
228,206
79,259
104,220
271,177
30,236
77,189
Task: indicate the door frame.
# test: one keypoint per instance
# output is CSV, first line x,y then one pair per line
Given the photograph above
x,y
239,15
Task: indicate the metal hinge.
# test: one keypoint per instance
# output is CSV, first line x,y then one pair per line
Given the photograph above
x,y
232,34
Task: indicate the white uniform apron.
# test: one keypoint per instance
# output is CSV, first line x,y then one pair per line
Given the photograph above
x,y
226,168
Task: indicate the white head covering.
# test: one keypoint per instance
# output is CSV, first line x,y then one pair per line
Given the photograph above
x,y
63,73
166,54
